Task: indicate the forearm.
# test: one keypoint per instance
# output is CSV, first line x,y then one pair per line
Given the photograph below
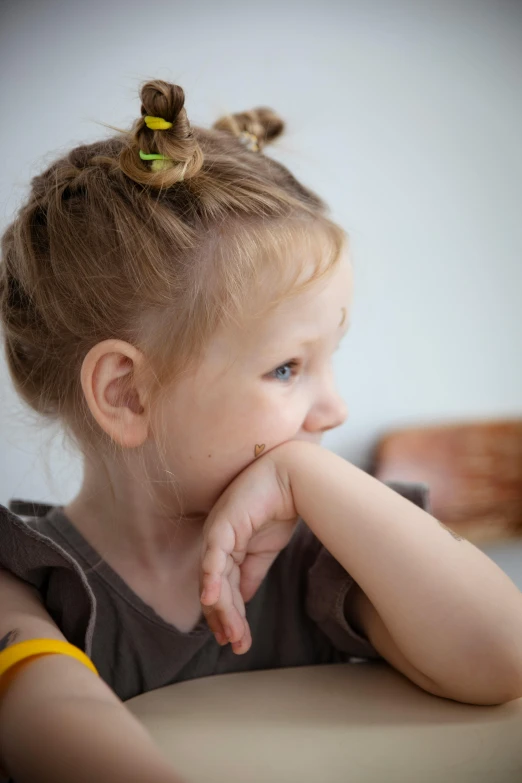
x,y
48,736
451,611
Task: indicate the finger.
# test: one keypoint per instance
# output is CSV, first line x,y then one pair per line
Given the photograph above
x,y
221,542
229,617
210,592
244,644
229,626
213,616
235,583
231,608
213,566
215,625
233,626
222,616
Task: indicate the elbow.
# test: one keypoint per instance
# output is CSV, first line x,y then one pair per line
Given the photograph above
x,y
484,673
505,692
480,697
487,690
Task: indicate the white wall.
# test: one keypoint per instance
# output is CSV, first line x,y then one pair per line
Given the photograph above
x,y
405,116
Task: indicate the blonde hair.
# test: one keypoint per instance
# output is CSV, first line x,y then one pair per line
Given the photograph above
x,y
106,247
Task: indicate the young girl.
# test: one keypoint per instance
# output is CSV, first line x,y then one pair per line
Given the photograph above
x,y
173,297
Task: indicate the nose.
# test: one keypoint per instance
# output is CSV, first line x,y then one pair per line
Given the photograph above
x,y
328,410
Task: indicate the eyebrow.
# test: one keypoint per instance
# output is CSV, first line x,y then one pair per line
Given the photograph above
x,y
315,340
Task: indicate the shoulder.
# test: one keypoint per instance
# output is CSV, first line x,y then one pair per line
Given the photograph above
x,y
28,546
30,553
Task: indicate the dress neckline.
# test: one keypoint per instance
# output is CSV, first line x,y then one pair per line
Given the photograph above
x,y
92,561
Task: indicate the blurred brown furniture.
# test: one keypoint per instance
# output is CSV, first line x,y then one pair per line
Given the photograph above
x,y
473,470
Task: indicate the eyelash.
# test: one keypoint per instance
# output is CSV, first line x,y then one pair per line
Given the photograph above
x,y
293,364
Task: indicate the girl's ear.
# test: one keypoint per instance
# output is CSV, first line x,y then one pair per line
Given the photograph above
x,y
110,381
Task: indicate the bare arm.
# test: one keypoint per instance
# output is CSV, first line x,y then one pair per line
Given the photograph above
x,y
431,599
58,721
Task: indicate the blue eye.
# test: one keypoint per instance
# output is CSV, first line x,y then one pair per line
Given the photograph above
x,y
285,372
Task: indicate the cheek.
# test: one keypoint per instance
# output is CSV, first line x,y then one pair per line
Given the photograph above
x,y
263,419
231,425
280,415
219,441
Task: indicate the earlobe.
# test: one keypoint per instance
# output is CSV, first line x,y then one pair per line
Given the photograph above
x,y
109,378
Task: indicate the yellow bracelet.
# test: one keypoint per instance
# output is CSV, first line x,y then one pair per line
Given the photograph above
x,y
22,650
34,648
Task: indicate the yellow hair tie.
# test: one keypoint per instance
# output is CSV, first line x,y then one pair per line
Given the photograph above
x,y
161,165
157,123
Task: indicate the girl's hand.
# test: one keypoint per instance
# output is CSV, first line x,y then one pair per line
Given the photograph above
x,y
252,521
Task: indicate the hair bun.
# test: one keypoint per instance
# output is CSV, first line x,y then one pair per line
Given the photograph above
x,y
263,123
182,155
161,99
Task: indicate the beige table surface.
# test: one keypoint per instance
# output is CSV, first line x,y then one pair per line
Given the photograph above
x,y
354,722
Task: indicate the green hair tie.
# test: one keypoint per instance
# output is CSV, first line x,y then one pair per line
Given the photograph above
x,y
152,156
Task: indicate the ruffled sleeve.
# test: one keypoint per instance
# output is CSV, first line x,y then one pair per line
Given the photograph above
x,y
329,586
42,563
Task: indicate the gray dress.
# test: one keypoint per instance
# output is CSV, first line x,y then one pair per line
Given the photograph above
x,y
296,616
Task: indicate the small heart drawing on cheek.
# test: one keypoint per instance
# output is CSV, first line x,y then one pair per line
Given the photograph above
x,y
258,449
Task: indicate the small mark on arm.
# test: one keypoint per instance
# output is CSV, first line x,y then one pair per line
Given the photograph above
x,y
8,639
452,532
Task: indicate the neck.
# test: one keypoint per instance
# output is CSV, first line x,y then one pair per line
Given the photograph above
x,y
124,519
